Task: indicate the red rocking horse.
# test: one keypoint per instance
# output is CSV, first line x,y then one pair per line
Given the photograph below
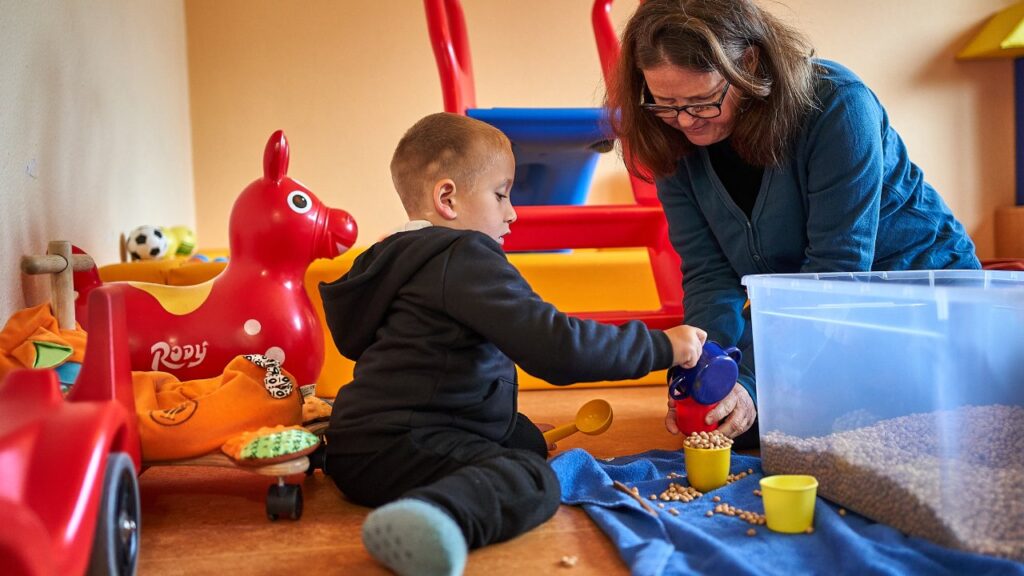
x,y
258,304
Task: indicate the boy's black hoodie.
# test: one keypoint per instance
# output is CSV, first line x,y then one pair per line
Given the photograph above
x,y
434,319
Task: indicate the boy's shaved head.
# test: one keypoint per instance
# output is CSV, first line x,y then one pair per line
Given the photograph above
x,y
439,146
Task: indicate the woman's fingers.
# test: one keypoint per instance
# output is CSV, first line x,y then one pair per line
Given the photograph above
x,y
724,407
738,411
670,418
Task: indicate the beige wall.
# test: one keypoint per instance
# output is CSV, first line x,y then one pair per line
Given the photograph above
x,y
956,117
94,126
344,79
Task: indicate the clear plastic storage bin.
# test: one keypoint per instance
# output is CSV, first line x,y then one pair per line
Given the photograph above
x,y
903,393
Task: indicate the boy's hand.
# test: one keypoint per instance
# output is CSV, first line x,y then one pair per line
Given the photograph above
x,y
687,344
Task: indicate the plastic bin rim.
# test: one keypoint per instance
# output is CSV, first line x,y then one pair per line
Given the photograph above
x,y
894,283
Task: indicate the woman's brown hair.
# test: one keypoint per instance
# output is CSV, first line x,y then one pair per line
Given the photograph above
x,y
712,35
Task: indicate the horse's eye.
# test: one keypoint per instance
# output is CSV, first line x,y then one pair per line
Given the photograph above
x,y
300,202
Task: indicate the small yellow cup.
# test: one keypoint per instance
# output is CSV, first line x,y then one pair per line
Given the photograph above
x,y
789,502
707,469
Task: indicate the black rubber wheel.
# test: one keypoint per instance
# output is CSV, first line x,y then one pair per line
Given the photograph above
x,y
115,545
284,501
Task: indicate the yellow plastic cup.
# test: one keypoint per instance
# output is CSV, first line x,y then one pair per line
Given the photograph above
x,y
707,469
789,502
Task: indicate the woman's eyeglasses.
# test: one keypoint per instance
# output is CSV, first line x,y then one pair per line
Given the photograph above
x,y
709,110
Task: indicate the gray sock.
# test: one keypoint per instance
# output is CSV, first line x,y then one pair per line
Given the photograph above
x,y
413,537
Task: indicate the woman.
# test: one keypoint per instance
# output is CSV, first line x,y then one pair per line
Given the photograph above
x,y
766,160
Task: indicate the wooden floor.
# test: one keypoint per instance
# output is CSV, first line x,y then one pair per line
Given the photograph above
x,y
212,520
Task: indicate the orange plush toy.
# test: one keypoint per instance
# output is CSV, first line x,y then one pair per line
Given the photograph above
x,y
187,419
32,338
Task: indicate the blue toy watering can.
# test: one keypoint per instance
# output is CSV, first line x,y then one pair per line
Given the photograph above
x,y
699,389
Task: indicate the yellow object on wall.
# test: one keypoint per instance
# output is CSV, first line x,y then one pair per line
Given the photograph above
x,y
1001,37
592,280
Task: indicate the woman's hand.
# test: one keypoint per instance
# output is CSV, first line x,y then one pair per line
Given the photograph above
x,y
670,418
737,408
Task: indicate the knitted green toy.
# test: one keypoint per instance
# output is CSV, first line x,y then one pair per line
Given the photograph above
x,y
270,445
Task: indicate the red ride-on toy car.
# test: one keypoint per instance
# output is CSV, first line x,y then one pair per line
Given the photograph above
x,y
69,495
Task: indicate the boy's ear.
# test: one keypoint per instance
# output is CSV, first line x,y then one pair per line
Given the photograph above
x,y
444,199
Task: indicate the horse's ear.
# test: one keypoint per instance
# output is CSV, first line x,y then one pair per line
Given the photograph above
x,y
275,157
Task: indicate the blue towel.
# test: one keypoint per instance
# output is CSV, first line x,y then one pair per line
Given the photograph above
x,y
692,543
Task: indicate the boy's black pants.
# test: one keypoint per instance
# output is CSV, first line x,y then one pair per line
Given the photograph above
x,y
494,492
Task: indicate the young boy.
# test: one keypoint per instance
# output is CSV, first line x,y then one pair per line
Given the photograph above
x,y
435,317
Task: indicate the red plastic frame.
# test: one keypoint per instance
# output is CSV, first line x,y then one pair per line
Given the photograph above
x,y
447,27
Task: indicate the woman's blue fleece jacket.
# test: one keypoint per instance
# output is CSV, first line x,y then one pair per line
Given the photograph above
x,y
847,198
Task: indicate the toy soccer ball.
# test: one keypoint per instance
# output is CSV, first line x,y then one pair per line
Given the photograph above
x,y
146,243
